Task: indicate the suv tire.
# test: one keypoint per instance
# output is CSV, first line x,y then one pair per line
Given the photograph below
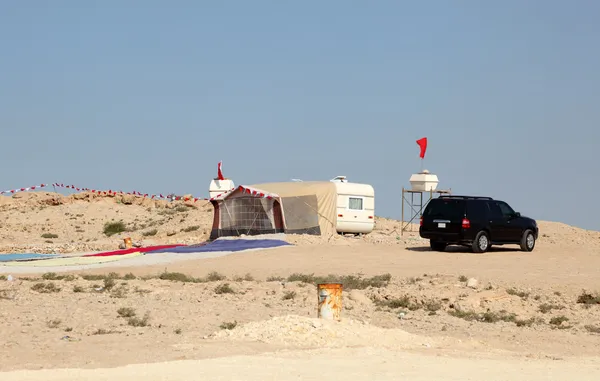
x,y
437,246
481,243
527,240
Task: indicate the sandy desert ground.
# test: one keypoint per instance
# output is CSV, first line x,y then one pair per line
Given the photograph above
x,y
408,313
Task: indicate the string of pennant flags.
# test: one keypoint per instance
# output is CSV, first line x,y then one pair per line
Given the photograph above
x,y
110,192
246,190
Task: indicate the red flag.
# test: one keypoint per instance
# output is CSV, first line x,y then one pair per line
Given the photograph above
x,y
423,144
220,172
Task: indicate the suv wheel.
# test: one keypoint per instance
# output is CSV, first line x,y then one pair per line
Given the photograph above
x,y
528,241
481,244
437,246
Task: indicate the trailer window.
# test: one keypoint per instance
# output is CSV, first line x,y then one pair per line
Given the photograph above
x,y
355,203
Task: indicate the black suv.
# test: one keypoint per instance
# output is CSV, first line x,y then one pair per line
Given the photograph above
x,y
475,222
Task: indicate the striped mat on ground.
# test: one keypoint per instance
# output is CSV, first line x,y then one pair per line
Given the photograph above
x,y
25,256
71,261
226,245
132,250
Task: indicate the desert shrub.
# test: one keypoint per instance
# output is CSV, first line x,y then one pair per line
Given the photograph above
x,y
349,282
224,288
486,317
126,312
558,320
526,322
45,288
54,276
520,294
78,289
228,325
592,329
102,331
288,295
49,235
137,322
53,323
109,283
248,277
191,229
546,307
150,233
275,279
215,277
587,298
433,305
402,302
119,292
112,228
177,277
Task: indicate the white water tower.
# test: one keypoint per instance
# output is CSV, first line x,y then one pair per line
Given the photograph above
x,y
218,187
423,181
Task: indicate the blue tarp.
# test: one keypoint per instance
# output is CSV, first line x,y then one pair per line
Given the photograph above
x,y
24,256
225,245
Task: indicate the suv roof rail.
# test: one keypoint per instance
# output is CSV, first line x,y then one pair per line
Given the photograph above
x,y
465,197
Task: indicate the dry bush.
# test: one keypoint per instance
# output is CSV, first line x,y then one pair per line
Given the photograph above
x,y
119,292
520,294
214,277
349,282
137,322
126,312
45,288
589,299
102,331
228,325
546,307
288,295
53,323
248,278
112,228
224,288
485,317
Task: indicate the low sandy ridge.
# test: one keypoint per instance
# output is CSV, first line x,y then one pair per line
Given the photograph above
x,y
408,312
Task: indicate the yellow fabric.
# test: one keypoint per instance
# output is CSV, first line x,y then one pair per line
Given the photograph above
x,y
326,194
70,261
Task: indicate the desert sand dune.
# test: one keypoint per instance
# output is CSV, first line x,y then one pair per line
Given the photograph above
x,y
426,315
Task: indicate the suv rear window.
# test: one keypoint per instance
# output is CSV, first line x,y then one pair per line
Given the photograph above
x,y
452,209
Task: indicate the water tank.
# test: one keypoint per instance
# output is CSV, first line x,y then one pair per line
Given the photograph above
x,y
423,181
218,187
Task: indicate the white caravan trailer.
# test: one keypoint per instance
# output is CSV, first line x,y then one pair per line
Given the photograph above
x,y
355,207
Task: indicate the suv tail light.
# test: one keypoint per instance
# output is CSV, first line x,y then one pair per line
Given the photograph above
x,y
421,221
466,223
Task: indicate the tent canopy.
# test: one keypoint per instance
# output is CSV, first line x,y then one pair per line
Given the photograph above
x,y
290,207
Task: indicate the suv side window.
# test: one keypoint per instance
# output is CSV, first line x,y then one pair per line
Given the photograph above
x,y
507,211
476,210
494,210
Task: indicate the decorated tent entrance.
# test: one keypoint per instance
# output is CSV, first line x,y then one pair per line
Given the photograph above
x,y
293,208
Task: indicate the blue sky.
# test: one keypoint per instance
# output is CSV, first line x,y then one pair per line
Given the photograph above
x,y
150,95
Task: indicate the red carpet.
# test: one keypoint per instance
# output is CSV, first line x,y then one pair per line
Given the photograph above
x,y
132,250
